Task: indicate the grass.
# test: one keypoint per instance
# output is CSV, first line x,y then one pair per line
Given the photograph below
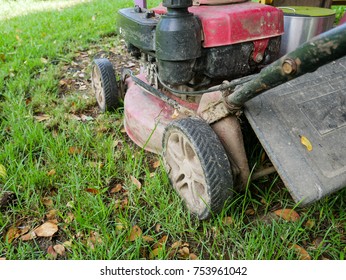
x,y
79,173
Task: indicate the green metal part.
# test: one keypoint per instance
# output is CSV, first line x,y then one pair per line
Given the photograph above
x,y
319,51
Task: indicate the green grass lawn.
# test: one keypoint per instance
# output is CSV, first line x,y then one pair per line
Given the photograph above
x,y
73,186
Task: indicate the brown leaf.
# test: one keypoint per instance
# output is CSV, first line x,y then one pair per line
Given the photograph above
x,y
250,212
94,239
147,238
193,256
303,254
288,214
12,233
117,188
135,233
60,249
28,101
29,236
136,182
176,244
51,252
156,164
157,227
184,252
51,172
161,242
92,190
46,230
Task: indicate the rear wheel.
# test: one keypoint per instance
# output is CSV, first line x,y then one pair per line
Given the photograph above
x,y
104,84
197,166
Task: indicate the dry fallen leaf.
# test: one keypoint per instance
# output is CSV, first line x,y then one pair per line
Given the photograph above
x,y
94,239
157,227
156,164
288,214
92,190
135,181
184,252
60,249
51,252
51,172
29,236
303,254
15,232
250,212
147,238
117,188
46,230
135,233
161,242
306,142
176,244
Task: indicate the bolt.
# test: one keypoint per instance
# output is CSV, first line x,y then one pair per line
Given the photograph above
x,y
289,66
259,58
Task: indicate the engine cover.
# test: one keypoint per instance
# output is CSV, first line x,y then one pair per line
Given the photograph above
x,y
236,40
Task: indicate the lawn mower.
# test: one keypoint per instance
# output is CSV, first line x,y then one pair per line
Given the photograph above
x,y
208,64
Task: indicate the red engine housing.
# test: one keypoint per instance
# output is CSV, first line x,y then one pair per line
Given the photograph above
x,y
236,23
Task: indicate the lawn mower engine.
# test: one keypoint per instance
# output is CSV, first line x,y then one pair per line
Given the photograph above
x,y
201,45
186,46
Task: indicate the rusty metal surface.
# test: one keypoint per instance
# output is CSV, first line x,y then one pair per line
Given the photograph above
x,y
302,126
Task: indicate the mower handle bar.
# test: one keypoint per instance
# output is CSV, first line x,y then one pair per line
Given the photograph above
x,y
313,54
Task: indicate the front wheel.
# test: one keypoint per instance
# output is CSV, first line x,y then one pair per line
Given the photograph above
x,y
197,166
104,84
